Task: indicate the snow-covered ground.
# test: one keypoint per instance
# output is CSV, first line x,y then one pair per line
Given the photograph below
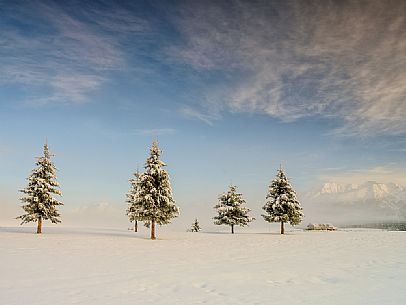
x,y
72,266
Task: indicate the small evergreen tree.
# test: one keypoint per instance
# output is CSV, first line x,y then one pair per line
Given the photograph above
x,y
230,210
134,209
195,226
40,205
155,193
282,205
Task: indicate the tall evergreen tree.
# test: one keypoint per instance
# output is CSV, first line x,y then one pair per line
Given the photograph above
x,y
135,208
282,205
230,210
155,192
40,205
195,226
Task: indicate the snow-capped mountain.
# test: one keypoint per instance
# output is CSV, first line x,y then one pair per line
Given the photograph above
x,y
367,190
389,195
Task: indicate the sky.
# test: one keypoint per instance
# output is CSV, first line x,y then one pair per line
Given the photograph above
x,y
230,89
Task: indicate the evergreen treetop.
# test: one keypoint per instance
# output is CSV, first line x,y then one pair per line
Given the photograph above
x,y
282,204
155,192
195,226
135,208
38,199
230,210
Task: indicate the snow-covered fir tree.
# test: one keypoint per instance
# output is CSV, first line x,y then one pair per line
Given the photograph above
x,y
195,226
155,192
39,202
135,207
230,210
282,204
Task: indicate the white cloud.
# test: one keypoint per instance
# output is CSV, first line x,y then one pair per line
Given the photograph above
x,y
193,113
155,132
288,60
70,57
301,59
383,174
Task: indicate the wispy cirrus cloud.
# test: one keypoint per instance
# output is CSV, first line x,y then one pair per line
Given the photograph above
x,y
297,59
286,59
155,132
72,88
67,51
207,117
383,174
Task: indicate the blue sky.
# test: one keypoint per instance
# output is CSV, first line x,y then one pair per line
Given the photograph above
x,y
231,89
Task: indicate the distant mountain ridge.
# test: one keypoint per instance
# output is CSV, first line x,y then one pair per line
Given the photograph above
x,y
354,204
367,190
389,195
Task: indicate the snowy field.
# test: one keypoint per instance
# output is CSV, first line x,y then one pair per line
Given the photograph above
x,y
72,266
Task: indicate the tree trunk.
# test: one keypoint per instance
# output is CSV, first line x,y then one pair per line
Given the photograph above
x,y
135,226
282,228
39,226
152,229
232,229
